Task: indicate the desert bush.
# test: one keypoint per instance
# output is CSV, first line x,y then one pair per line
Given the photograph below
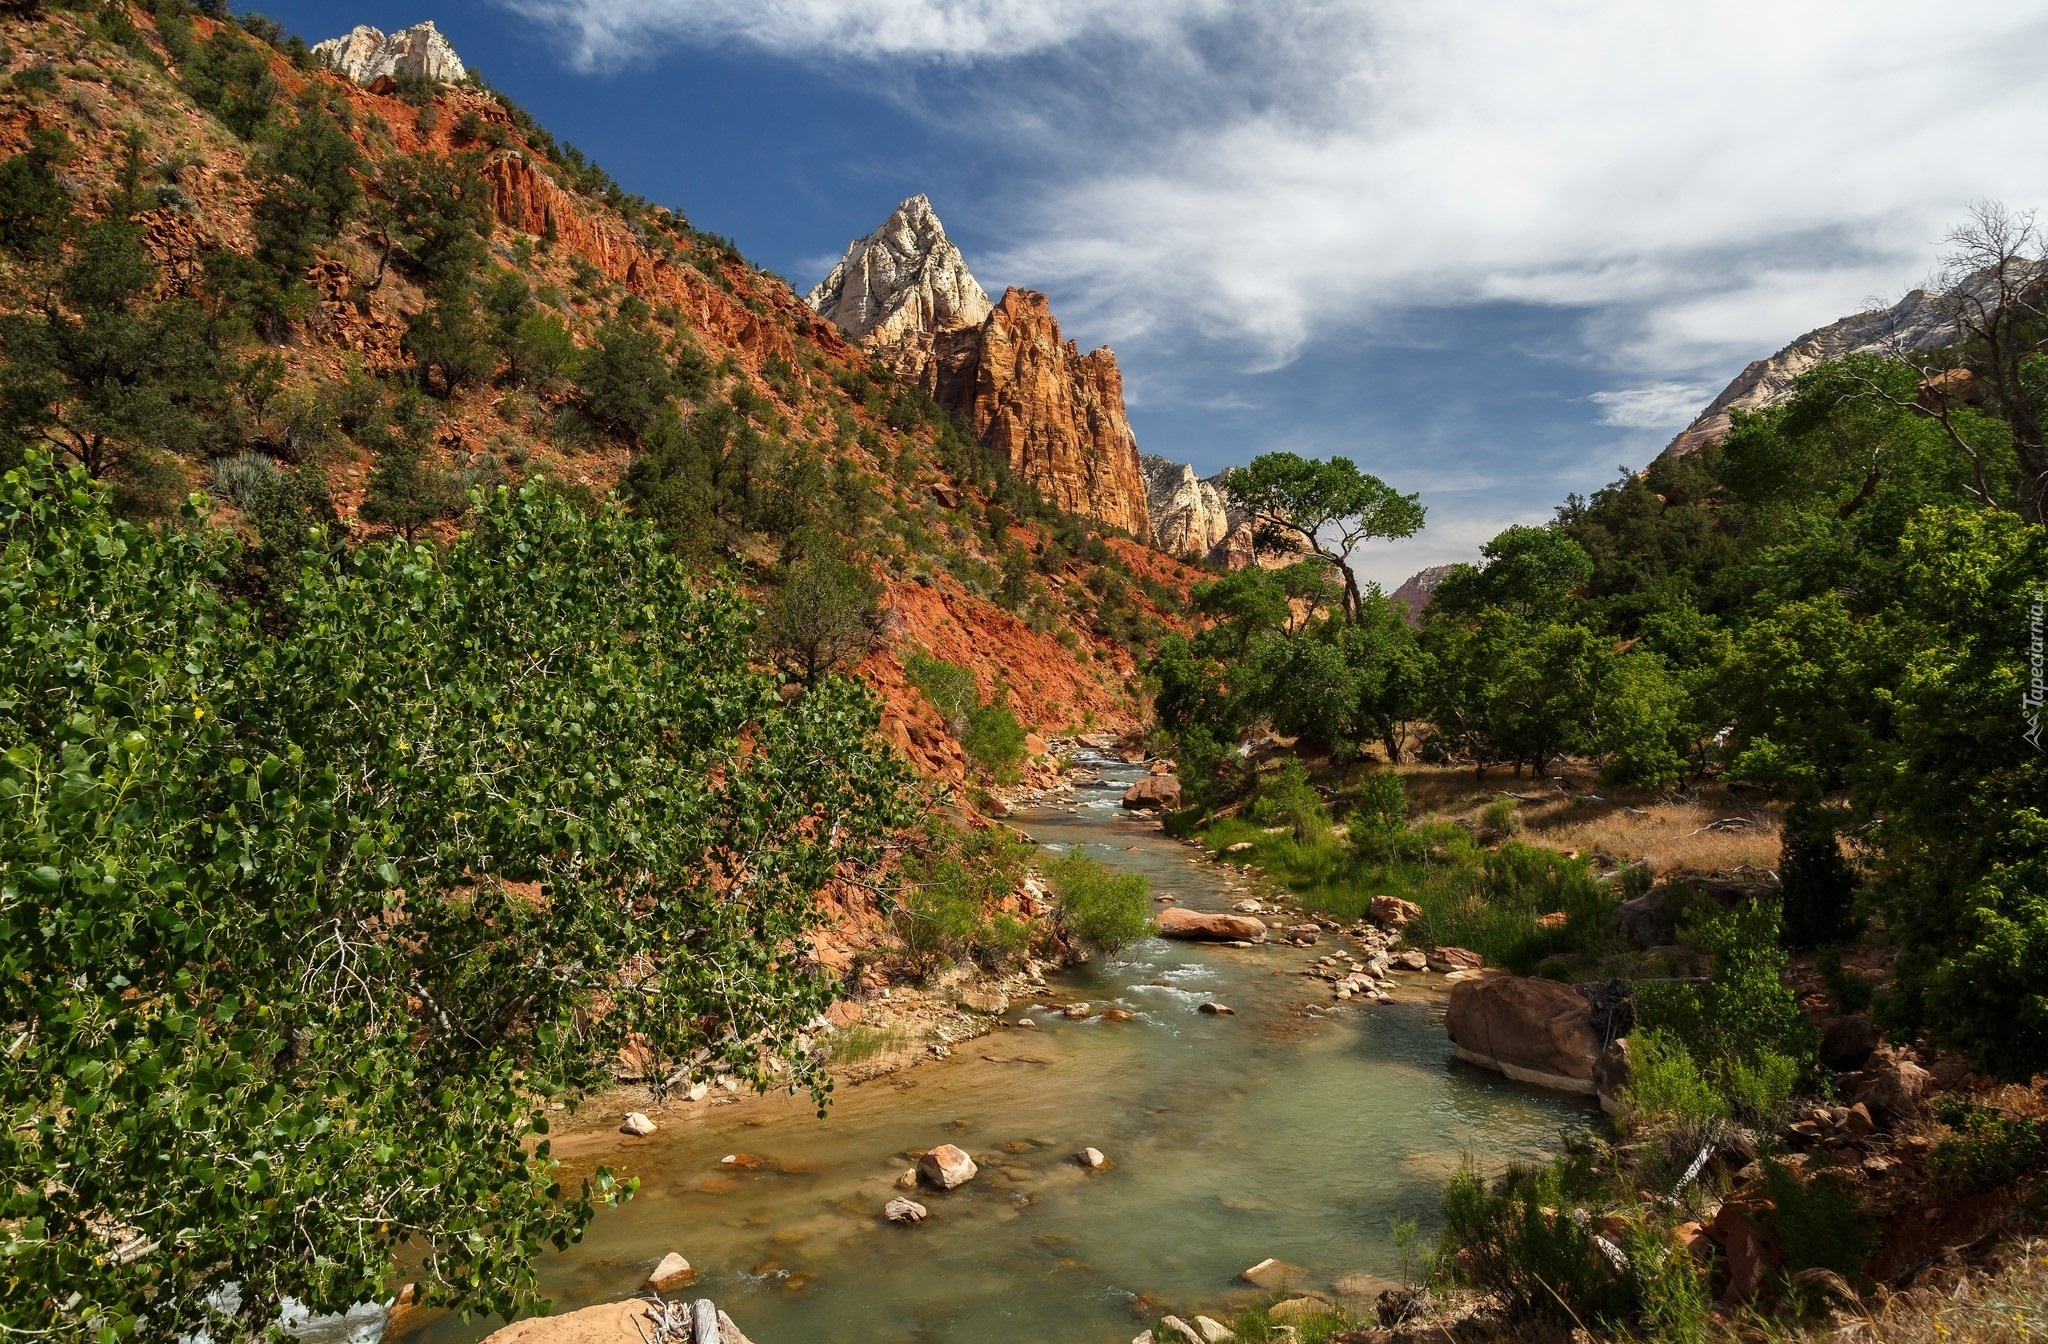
x,y
1519,1240
1983,1149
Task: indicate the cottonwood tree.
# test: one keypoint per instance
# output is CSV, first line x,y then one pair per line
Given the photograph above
x,y
303,924
1327,508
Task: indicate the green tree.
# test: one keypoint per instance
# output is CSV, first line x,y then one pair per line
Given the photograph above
x,y
1329,508
624,377
312,919
1639,711
34,211
406,490
823,617
106,378
448,339
434,214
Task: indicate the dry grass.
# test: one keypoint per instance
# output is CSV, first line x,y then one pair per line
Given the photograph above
x,y
2007,1304
1668,831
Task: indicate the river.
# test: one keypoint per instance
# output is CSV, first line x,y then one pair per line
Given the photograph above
x,y
1284,1132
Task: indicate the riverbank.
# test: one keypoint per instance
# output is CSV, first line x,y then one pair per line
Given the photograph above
x,y
1302,1128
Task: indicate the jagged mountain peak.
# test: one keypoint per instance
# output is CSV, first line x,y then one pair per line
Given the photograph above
x,y
366,54
905,278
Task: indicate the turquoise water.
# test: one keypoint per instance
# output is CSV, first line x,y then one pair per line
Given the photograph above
x,y
1277,1132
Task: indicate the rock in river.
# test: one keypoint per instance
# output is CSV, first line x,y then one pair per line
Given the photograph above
x,y
1273,1275
1154,793
673,1271
1444,960
637,1124
1534,1031
905,1211
946,1166
1091,1158
1180,922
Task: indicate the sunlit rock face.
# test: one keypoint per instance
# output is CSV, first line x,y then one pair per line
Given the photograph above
x,y
905,279
1189,517
1002,369
367,55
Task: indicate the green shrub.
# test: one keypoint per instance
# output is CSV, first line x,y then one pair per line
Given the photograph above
x,y
1287,798
1744,1011
1099,908
1817,1222
1671,1286
948,686
1984,1149
1501,818
944,910
1665,1085
994,740
1379,814
1521,1242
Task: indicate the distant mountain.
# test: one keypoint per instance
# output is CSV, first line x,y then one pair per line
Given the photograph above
x,y
1414,595
1002,369
367,55
1921,321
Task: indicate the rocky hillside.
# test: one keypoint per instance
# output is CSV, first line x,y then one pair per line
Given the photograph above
x,y
494,300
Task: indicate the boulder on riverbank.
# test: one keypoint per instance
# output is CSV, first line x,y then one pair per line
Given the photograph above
x,y
630,1322
1392,913
1154,793
1199,926
1534,1031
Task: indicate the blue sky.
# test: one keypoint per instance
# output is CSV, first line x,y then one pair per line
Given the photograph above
x,y
1493,250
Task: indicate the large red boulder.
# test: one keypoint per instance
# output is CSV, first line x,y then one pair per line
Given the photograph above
x,y
1154,793
1199,926
1534,1031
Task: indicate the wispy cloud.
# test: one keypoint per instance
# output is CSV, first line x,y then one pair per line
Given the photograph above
x,y
610,31
1658,406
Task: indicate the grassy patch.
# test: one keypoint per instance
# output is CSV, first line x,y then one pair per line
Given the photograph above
x,y
1255,1324
858,1045
1488,900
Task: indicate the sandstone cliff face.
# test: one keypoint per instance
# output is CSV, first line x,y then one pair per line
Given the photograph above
x,y
1056,415
1189,516
367,55
905,279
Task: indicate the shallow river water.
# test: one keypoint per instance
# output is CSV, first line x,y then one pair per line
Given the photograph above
x,y
1275,1132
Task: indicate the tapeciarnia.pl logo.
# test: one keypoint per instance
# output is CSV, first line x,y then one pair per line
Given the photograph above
x,y
2037,666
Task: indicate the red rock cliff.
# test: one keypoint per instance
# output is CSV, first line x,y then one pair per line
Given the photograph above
x,y
1056,414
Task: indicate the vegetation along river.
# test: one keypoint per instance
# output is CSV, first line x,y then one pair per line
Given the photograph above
x,y
1276,1132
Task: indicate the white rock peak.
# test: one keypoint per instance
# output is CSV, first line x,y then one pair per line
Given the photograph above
x,y
905,278
367,55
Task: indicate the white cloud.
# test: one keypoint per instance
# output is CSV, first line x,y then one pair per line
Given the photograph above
x,y
608,31
1658,406
1701,178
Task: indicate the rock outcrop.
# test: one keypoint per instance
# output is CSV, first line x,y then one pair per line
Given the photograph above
x,y
1920,321
1414,595
1189,516
906,279
1004,370
1056,414
367,55
1159,793
1534,1031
